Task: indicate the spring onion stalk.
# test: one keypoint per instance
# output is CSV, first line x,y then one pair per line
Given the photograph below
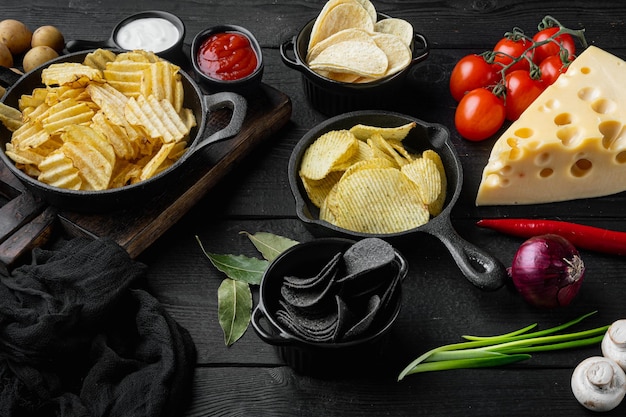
x,y
504,349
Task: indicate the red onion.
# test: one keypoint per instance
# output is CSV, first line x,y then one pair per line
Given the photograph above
x,y
547,271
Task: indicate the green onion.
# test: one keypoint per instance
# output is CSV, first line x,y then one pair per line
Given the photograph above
x,y
504,349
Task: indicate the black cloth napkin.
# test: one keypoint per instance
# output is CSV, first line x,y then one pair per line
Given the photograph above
x,y
78,339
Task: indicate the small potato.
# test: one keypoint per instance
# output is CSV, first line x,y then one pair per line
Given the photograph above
x,y
37,56
48,36
6,58
15,35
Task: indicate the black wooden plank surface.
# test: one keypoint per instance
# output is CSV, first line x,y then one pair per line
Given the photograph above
x,y
248,378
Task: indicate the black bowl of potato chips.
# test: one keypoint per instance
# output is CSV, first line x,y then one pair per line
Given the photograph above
x,y
329,303
352,57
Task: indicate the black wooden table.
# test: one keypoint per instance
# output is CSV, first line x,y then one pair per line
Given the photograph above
x,y
248,378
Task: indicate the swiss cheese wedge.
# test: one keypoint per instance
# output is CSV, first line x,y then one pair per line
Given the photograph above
x,y
569,144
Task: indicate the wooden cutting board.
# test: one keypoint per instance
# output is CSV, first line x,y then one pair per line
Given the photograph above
x,y
27,222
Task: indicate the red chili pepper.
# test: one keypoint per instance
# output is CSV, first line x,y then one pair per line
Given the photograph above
x,y
581,236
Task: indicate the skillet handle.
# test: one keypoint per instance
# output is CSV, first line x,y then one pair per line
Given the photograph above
x,y
217,101
479,267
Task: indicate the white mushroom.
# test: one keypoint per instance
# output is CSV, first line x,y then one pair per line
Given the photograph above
x,y
599,384
614,343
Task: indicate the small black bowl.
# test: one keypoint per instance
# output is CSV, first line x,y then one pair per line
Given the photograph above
x,y
332,97
321,359
243,85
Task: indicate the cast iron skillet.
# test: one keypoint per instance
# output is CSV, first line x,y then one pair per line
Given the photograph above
x,y
127,196
480,268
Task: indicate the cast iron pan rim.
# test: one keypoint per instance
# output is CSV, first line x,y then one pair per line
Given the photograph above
x,y
113,192
299,193
293,339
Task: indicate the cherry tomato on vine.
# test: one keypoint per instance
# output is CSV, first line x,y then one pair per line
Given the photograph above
x,y
472,71
521,90
552,48
551,68
513,49
479,114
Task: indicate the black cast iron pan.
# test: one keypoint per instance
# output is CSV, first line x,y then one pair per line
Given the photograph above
x,y
479,267
135,194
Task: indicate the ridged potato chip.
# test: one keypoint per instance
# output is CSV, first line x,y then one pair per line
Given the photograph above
x,y
70,73
436,206
379,200
59,171
425,174
364,132
10,117
327,154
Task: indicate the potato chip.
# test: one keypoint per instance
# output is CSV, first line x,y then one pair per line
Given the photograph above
x,y
337,15
161,80
380,200
125,76
363,58
317,190
11,118
157,117
398,54
29,135
363,132
70,73
436,206
385,147
425,174
350,34
326,153
99,58
116,135
398,27
91,154
59,171
66,112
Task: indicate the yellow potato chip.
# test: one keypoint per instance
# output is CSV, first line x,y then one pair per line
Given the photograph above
x,y
153,165
70,73
64,113
157,117
99,58
337,15
350,34
326,153
425,174
91,154
363,132
116,135
363,58
398,27
161,80
398,54
317,190
59,171
379,200
385,147
10,117
29,135
436,206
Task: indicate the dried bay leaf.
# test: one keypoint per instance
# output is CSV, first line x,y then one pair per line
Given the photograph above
x,y
234,301
270,245
238,267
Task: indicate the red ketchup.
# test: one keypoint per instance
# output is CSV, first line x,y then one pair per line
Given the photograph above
x,y
227,56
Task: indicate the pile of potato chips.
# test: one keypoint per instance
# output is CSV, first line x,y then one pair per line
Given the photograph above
x,y
364,179
110,121
348,43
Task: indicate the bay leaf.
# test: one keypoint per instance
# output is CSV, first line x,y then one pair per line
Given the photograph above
x,y
234,304
270,245
238,267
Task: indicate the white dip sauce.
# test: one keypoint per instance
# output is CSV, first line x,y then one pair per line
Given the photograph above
x,y
150,33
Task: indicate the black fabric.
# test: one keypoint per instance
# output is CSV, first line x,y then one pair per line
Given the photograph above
x,y
76,339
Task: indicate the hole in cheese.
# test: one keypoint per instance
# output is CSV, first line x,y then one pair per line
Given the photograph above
x,y
550,105
506,170
610,130
581,167
588,93
546,172
568,135
563,119
620,158
543,159
603,106
524,133
585,70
